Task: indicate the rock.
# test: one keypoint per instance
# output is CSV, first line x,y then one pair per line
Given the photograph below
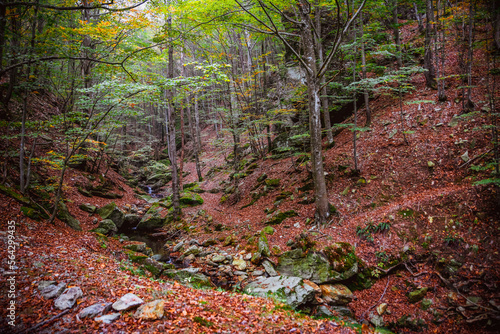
x,y
257,273
178,247
262,177
189,275
336,263
195,250
108,318
247,256
465,156
95,310
131,220
336,294
376,320
217,258
136,257
127,302
269,268
43,284
381,308
111,211
152,219
150,311
210,242
87,207
239,273
106,227
268,230
153,266
191,199
292,290
239,264
426,303
454,121
256,257
430,164
263,246
68,298
53,290
277,217
136,246
64,215
417,295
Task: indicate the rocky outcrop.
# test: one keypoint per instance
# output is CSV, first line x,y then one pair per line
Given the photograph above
x,y
111,211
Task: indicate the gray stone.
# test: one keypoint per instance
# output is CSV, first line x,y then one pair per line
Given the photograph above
x,y
53,290
376,319
291,290
87,207
106,226
190,276
465,156
239,273
195,250
131,220
108,318
239,264
269,267
257,273
136,246
43,284
95,310
178,247
263,246
152,219
66,217
127,302
153,266
68,298
217,258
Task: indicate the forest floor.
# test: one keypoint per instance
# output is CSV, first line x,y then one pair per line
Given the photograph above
x,y
422,190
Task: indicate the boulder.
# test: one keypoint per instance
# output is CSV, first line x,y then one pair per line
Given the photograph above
x,y
52,290
263,246
95,310
153,266
336,294
239,264
136,246
106,227
334,264
195,250
108,318
269,267
111,211
87,207
131,220
190,199
152,219
64,215
150,311
68,298
417,295
291,290
127,302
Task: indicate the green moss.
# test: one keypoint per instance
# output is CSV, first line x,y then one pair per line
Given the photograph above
x,y
11,193
268,230
279,216
32,213
341,255
190,199
135,257
284,195
272,182
262,178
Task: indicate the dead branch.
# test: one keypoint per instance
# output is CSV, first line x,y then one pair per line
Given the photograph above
x,y
30,330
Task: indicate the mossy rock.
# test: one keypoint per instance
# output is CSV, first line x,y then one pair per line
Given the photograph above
x,y
33,213
84,192
152,219
136,246
263,245
272,182
341,255
190,199
64,215
284,195
88,207
252,167
190,276
106,226
11,193
278,217
262,177
316,266
417,295
268,230
111,211
136,257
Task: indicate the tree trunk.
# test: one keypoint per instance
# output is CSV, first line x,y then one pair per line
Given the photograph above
x,y
397,37
430,74
419,18
363,69
321,198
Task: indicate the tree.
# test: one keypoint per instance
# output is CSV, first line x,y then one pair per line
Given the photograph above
x,y
266,13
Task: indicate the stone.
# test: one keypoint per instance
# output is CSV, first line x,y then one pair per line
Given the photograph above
x,y
68,298
151,311
95,310
64,215
376,320
53,290
269,268
217,258
195,250
210,242
263,246
239,264
291,290
277,217
465,156
131,220
239,273
153,266
257,273
111,211
454,121
256,257
426,303
178,247
152,219
87,207
336,294
336,263
381,308
127,302
136,246
268,230
190,199
430,164
417,295
136,257
106,227
43,284
108,318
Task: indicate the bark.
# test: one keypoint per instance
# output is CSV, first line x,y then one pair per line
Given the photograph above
x,y
321,198
363,70
419,18
440,55
430,74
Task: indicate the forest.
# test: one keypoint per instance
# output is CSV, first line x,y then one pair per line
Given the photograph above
x,y
249,166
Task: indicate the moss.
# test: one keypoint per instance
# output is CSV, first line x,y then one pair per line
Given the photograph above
x,y
224,199
268,230
279,216
11,193
341,255
135,257
307,187
262,178
106,210
32,213
272,182
284,195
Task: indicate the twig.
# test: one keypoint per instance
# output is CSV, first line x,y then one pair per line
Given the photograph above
x,y
383,294
475,158
30,330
